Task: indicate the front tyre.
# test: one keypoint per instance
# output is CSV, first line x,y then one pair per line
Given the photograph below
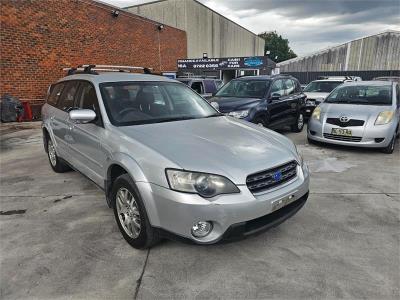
x,y
260,121
298,126
130,214
56,163
390,148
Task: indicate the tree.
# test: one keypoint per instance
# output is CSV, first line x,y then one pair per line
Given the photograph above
x,y
278,46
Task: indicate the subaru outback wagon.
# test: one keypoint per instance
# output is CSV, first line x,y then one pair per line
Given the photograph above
x,y
169,163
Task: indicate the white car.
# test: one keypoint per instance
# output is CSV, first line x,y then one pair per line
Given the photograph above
x,y
317,90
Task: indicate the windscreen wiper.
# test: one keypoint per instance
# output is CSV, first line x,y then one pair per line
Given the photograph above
x,y
175,119
214,115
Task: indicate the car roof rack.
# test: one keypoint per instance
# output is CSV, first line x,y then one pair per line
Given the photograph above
x,y
95,69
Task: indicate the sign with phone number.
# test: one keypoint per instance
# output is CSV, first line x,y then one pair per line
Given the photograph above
x,y
251,62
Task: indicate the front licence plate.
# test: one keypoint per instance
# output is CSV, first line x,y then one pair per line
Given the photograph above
x,y
278,204
340,131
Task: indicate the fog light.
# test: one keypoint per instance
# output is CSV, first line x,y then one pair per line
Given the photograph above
x,y
201,229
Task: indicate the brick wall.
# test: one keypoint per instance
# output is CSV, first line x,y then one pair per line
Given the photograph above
x,y
39,37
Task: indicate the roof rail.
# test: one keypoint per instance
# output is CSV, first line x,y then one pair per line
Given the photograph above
x,y
94,69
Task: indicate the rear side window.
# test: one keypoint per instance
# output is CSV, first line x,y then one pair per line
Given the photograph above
x,y
55,93
68,96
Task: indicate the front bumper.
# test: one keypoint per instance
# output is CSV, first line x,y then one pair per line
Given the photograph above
x,y
176,212
371,136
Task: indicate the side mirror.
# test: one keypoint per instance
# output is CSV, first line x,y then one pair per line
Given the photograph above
x,y
82,115
275,96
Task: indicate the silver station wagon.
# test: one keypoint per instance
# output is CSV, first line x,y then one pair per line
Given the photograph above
x,y
362,114
169,163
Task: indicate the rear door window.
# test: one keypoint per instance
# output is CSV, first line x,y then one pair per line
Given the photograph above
x,y
55,93
67,99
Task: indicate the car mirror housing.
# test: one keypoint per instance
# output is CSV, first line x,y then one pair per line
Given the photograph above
x,y
82,115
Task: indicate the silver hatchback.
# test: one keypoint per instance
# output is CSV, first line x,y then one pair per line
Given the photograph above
x,y
169,163
363,114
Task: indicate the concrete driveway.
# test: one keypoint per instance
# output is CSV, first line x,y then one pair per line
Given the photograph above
x,y
58,239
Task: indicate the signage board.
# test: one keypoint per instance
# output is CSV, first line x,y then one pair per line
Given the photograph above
x,y
250,62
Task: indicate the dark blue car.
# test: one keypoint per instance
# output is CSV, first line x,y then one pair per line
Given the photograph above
x,y
270,101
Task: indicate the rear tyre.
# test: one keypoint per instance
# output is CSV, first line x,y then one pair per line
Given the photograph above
x,y
260,121
390,148
56,163
298,126
130,214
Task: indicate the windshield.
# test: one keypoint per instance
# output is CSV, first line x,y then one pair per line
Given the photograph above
x,y
362,94
133,103
244,88
322,86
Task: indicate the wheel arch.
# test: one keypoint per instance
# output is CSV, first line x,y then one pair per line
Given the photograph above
x,y
122,164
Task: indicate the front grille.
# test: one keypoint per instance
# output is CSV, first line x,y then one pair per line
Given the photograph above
x,y
342,138
270,178
351,122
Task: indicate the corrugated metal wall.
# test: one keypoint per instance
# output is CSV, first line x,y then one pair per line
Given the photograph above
x,y
307,77
377,52
207,31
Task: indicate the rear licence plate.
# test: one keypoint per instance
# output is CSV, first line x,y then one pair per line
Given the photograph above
x,y
340,131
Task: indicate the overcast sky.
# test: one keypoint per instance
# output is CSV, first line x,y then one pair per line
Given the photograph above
x,y
309,25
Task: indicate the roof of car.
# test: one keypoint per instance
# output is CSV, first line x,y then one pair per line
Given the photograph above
x,y
264,77
331,80
117,76
372,82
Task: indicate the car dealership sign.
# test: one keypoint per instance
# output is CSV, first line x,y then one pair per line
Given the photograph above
x,y
251,62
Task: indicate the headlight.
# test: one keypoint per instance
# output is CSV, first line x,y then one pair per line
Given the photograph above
x,y
301,161
240,114
384,117
316,115
206,185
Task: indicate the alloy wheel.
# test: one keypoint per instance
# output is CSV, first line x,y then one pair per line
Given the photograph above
x,y
300,121
128,212
52,153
